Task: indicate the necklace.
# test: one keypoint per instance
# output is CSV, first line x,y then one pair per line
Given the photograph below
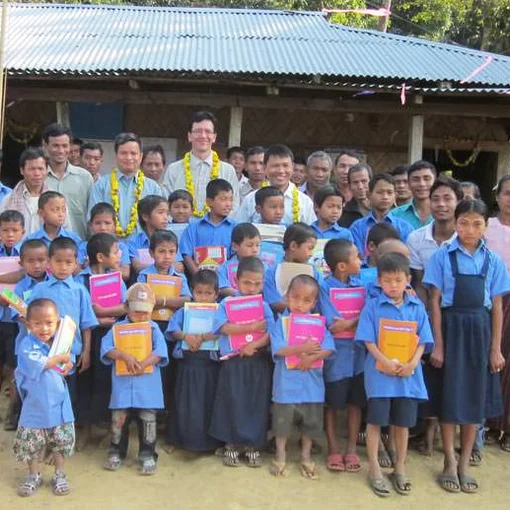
x,y
133,215
190,185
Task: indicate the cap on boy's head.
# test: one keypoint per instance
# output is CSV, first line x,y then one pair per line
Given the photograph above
x,y
141,298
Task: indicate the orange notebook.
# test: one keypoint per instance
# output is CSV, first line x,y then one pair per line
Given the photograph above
x,y
164,286
134,338
397,340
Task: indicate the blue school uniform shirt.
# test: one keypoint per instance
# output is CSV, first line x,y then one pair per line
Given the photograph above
x,y
296,386
142,277
15,250
438,272
141,241
5,191
220,319
83,258
333,232
204,233
349,358
377,383
63,232
43,391
137,391
360,228
271,292
71,299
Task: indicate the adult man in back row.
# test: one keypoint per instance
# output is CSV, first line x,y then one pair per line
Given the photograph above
x,y
358,207
200,165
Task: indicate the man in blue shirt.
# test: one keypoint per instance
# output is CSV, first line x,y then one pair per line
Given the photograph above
x,y
125,186
382,198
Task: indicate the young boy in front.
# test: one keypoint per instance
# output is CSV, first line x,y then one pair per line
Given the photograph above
x,y
46,421
298,394
343,372
214,229
53,211
138,394
393,388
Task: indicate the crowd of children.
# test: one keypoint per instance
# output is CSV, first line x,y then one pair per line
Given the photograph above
x,y
234,400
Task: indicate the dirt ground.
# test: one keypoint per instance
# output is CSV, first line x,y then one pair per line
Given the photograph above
x,y
190,481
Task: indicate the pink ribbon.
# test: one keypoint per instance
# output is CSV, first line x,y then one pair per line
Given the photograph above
x,y
479,69
382,13
403,94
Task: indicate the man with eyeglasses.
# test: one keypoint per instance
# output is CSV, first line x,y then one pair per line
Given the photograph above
x,y
200,165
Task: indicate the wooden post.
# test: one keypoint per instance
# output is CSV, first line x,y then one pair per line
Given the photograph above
x,y
382,25
236,121
3,72
63,114
415,139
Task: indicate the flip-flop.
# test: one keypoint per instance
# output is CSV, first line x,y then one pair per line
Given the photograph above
x,y
309,470
465,481
384,459
380,487
401,484
277,469
335,462
352,463
444,481
475,459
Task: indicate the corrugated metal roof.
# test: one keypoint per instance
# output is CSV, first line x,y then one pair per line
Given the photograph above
x,y
97,40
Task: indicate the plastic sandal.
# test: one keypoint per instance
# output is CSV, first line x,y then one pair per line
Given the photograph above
x,y
149,467
30,485
475,459
352,463
309,470
60,484
277,469
401,484
113,462
231,457
253,458
335,462
449,483
465,483
380,487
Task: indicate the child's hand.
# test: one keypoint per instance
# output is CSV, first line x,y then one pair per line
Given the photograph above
x,y
341,325
3,301
83,362
306,362
98,309
132,364
68,367
107,321
194,342
437,357
248,350
406,370
497,361
64,358
391,366
260,326
310,347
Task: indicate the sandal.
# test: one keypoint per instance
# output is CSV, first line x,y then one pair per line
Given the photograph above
x,y
253,458
31,483
475,459
468,484
335,462
362,439
504,442
449,483
149,467
380,487
401,483
59,484
384,459
231,457
113,462
309,470
423,449
277,469
352,463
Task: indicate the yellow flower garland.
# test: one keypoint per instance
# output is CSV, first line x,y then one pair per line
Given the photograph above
x,y
133,217
190,185
295,205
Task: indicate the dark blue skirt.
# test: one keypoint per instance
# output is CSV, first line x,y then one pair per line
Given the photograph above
x,y
192,403
433,378
470,393
241,407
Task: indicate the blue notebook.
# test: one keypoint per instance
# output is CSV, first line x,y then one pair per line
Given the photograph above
x,y
199,319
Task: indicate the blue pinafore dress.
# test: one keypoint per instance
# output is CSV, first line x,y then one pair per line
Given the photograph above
x,y
470,393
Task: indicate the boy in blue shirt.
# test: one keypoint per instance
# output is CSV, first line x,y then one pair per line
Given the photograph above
x,y
12,230
393,388
343,372
214,229
298,394
53,211
328,205
46,421
138,394
34,261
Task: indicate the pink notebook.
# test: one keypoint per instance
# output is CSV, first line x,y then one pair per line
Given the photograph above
x,y
302,329
348,302
106,289
243,310
232,273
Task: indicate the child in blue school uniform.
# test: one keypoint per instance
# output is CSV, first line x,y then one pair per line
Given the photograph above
x,y
180,204
298,242
46,421
393,388
197,376
137,395
241,407
94,385
245,243
52,209
214,229
298,394
328,205
466,283
343,372
33,261
102,221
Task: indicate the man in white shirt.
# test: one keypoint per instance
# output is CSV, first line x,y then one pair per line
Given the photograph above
x,y
202,163
255,171
278,163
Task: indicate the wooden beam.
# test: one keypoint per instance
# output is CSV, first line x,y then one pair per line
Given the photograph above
x,y
236,122
415,135
63,113
369,105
